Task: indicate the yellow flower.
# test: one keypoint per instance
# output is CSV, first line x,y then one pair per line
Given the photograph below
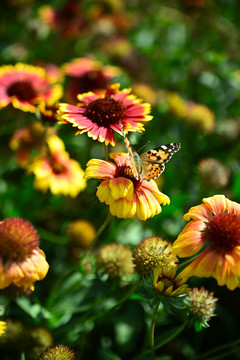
x,y
21,261
216,223
146,92
198,116
81,233
165,282
125,195
2,327
177,104
56,171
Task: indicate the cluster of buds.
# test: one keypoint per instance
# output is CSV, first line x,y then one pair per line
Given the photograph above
x,y
116,261
200,305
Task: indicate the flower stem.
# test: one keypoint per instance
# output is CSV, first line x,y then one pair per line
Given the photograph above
x,y
100,230
152,330
163,342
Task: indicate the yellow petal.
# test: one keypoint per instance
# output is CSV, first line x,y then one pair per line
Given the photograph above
x,y
121,188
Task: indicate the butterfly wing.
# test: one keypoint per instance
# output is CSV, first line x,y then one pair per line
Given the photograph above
x,y
153,161
150,165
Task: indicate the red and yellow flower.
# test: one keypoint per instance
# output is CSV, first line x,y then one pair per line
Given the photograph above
x,y
215,225
166,283
56,171
67,19
125,195
24,86
21,261
87,75
99,115
27,140
48,112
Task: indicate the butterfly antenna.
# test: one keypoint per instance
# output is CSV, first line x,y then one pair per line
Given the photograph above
x,y
144,146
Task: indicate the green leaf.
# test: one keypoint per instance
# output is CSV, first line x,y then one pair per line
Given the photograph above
x,y
34,310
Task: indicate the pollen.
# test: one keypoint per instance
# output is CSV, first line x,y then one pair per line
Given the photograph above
x,y
105,112
18,238
126,171
223,231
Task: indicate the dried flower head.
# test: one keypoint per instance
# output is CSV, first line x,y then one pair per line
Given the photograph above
x,y
200,306
21,261
229,129
151,253
213,173
115,260
58,352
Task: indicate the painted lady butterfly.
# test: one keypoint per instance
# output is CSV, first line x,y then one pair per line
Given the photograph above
x,y
151,164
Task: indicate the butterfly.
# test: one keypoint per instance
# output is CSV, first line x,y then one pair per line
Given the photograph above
x,y
151,164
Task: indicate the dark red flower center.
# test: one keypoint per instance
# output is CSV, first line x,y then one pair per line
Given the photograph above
x,y
22,90
18,239
49,113
223,231
57,166
168,282
93,80
126,172
105,112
